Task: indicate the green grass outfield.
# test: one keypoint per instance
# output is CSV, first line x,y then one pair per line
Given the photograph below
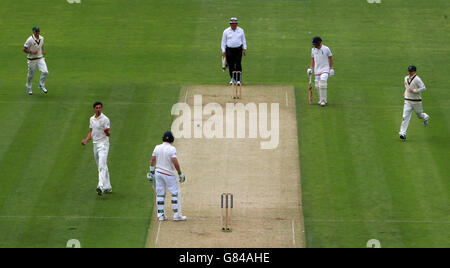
x,y
359,181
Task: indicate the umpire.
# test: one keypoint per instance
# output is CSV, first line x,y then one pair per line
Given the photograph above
x,y
233,45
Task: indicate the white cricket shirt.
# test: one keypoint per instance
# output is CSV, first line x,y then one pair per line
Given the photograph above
x,y
34,44
164,154
233,39
417,85
98,126
321,61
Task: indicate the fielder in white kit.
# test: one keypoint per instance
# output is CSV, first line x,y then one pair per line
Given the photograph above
x,y
34,47
413,100
164,160
99,132
322,62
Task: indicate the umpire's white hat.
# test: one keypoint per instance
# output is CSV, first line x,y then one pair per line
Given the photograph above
x,y
233,20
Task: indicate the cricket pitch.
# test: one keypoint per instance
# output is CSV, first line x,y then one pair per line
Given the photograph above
x,y
265,183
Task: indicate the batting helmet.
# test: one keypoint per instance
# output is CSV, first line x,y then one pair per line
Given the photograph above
x,y
316,40
412,68
168,137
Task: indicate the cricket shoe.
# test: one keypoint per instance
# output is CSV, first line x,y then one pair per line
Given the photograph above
x,y
43,89
162,218
323,103
425,122
107,191
238,83
403,136
29,92
99,191
179,218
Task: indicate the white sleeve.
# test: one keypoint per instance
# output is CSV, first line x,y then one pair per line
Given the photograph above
x,y
90,122
420,85
107,123
312,53
329,52
155,151
173,153
223,45
244,42
27,43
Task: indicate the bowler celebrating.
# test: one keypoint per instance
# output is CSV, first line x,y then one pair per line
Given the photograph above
x,y
34,47
99,132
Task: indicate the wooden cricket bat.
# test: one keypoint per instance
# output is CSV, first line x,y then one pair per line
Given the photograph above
x,y
310,90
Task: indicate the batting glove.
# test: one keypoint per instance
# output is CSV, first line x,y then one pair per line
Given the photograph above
x,y
150,177
151,174
309,71
331,72
182,177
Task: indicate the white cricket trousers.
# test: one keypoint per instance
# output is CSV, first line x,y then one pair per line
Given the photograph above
x,y
408,107
169,181
101,156
321,84
34,65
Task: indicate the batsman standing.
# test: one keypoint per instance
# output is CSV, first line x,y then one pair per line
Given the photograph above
x,y
322,62
233,46
34,47
413,100
164,160
99,132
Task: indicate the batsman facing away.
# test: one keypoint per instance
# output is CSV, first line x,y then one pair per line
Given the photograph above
x,y
164,160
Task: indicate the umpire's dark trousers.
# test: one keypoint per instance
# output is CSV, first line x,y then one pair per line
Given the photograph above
x,y
234,58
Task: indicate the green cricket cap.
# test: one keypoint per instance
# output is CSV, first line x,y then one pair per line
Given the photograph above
x,y
36,29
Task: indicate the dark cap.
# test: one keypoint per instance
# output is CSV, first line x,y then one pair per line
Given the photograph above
x,y
168,137
36,29
412,68
316,40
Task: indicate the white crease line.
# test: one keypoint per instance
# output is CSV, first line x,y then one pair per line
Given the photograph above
x,y
71,217
293,232
376,221
287,103
157,233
